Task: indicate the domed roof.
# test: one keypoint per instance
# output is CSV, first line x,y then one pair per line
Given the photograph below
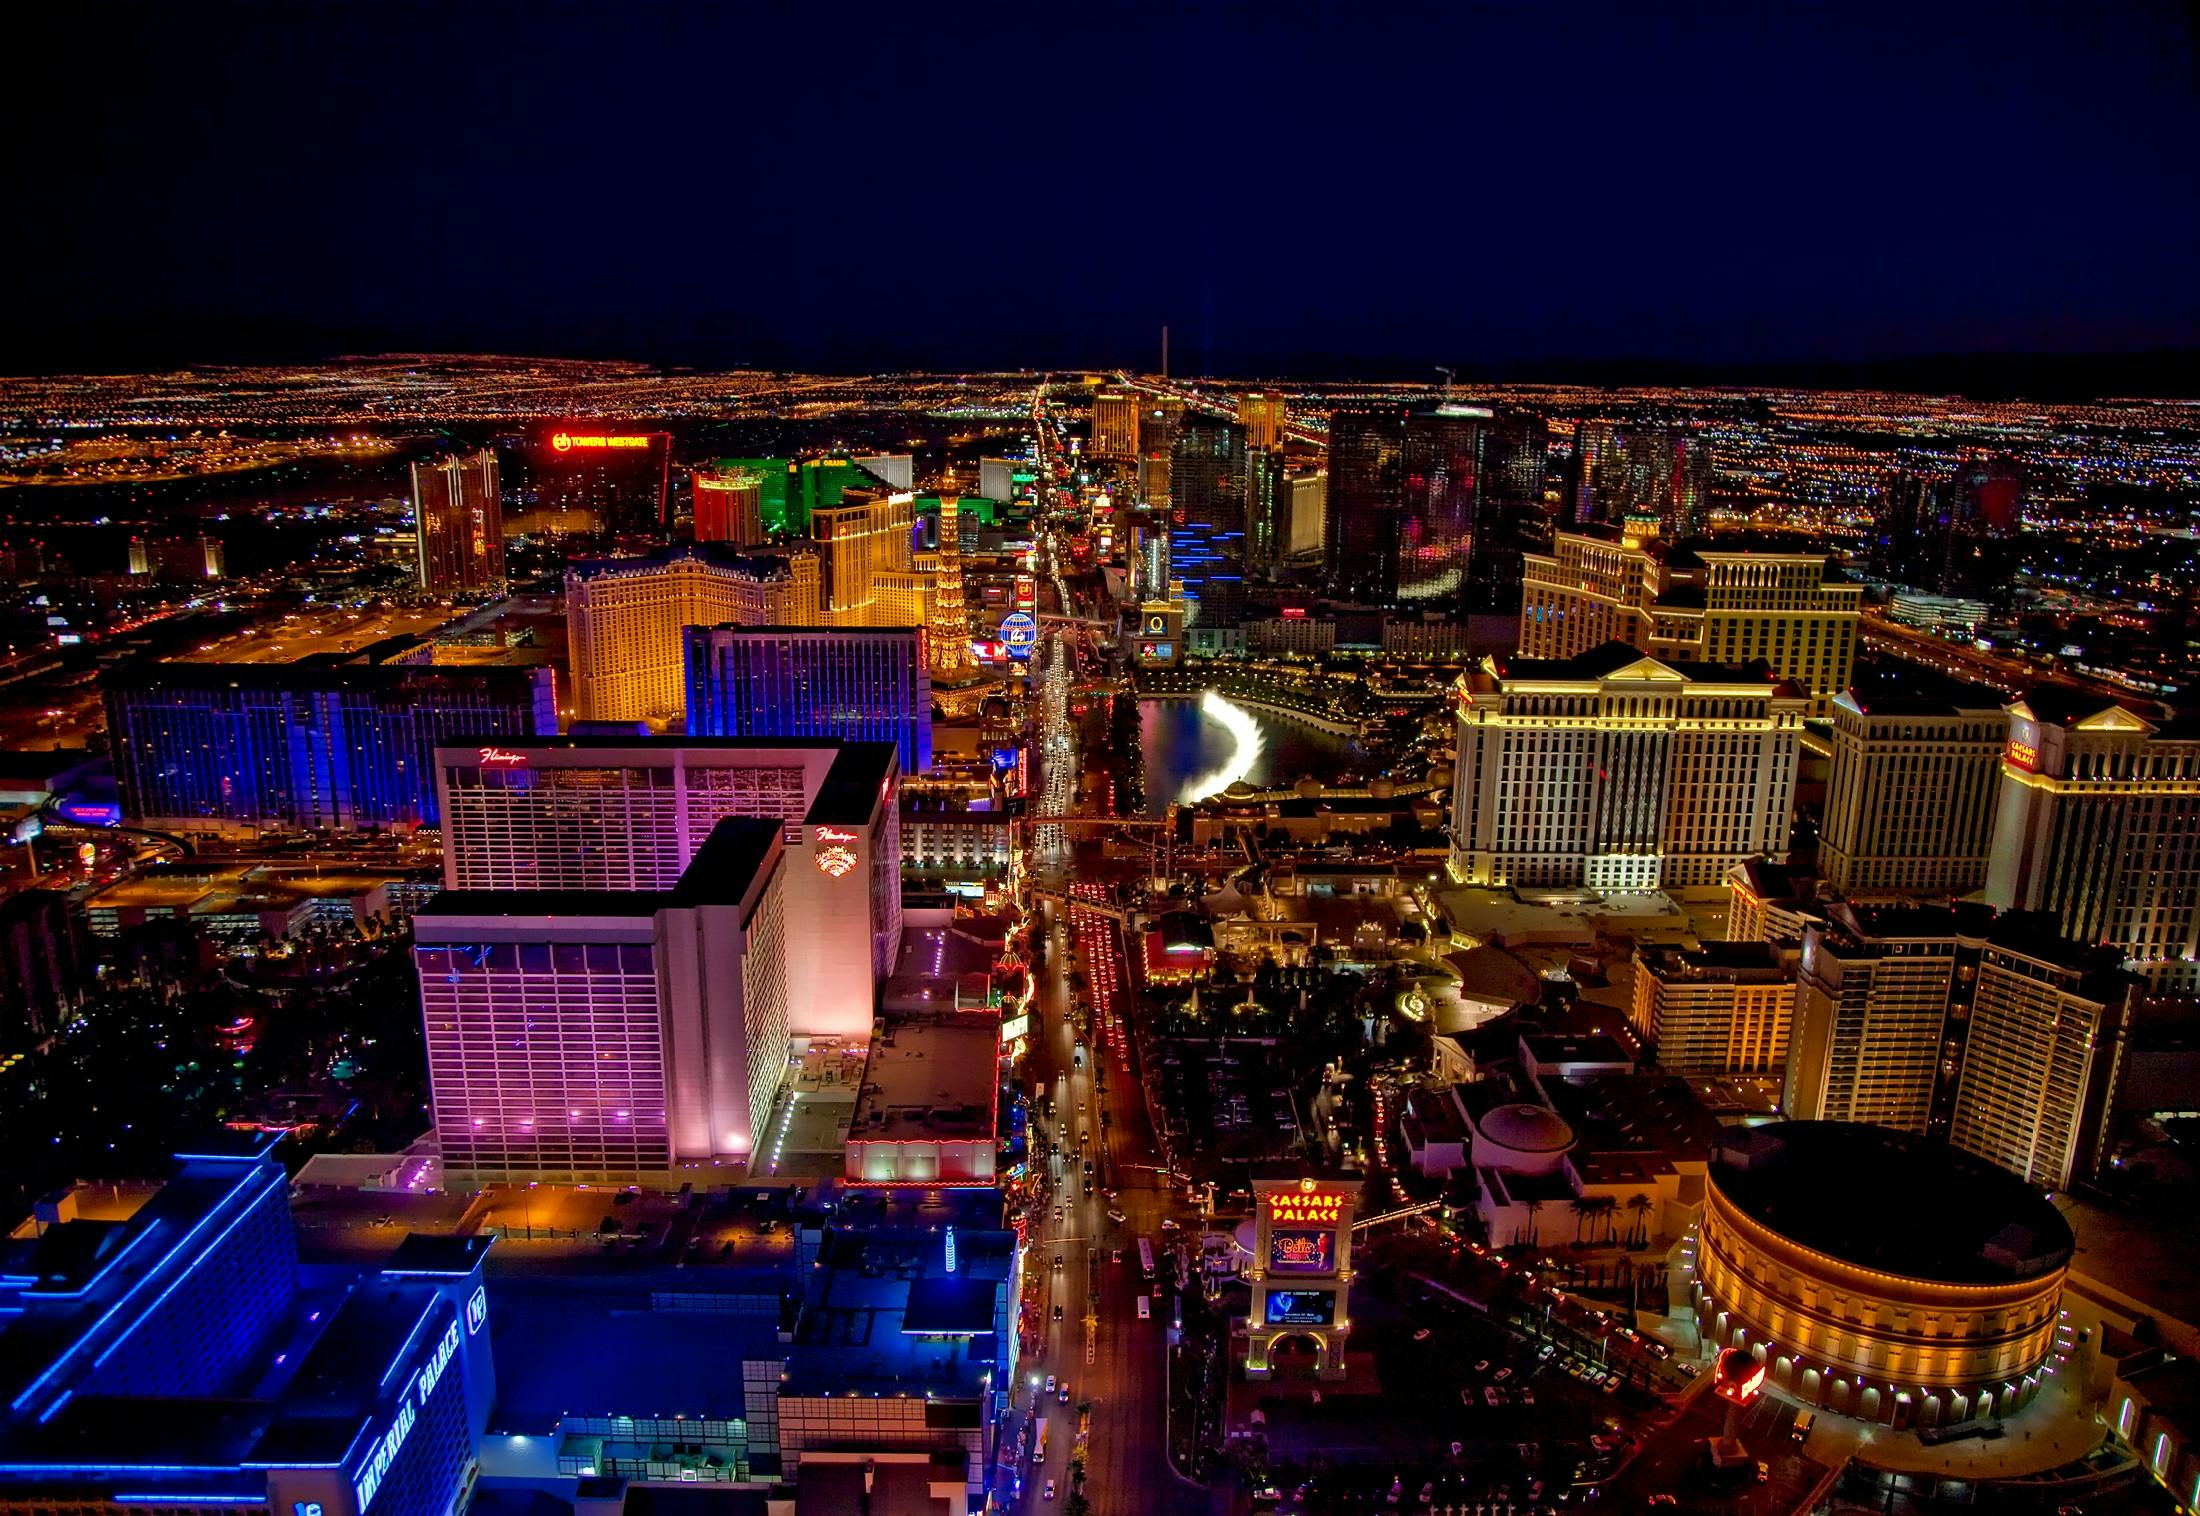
x,y
1526,1128
1308,788
1382,789
1891,1202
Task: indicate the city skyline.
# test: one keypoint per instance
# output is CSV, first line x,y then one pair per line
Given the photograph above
x,y
1101,761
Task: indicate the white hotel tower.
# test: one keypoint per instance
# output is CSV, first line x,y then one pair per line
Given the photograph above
x,y
1619,771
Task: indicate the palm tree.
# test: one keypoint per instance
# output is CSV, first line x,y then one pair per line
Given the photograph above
x,y
1583,1207
1638,1234
1534,1206
1602,1207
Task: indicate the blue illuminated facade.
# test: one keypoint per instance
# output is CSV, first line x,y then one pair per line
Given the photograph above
x,y
308,745
1209,561
859,684
174,1358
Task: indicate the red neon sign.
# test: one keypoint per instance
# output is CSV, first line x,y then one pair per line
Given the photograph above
x,y
834,834
565,442
1738,1376
837,862
502,757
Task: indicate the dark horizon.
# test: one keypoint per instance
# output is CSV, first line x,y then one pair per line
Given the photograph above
x,y
2053,378
1508,191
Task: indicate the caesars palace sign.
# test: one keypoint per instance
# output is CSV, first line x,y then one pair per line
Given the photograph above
x,y
1308,1205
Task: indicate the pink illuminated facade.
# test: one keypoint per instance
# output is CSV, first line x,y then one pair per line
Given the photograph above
x,y
630,813
584,1036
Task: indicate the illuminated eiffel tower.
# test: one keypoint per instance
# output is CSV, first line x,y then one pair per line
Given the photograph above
x,y
951,658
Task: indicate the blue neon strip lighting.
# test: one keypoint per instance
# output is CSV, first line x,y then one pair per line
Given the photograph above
x,y
257,1173
185,1498
182,1277
66,1467
404,1354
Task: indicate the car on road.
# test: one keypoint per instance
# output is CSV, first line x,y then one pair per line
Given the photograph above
x,y
1117,1217
1057,1313
1116,1256
1050,1384
1168,1223
1420,1334
1049,1492
1057,1256
1061,1396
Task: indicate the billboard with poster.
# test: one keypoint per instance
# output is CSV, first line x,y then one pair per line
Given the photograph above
x,y
1302,1250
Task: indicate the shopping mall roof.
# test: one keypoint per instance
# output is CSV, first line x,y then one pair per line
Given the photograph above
x,y
930,1081
1889,1201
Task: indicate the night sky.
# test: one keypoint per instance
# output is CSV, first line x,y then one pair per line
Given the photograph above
x,y
1510,189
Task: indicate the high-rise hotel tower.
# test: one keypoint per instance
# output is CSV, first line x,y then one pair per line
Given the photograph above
x,y
1619,771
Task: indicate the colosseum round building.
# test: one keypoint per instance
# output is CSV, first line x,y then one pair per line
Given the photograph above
x,y
1876,1274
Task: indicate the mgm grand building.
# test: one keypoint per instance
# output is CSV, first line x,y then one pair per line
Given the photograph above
x,y
1878,1275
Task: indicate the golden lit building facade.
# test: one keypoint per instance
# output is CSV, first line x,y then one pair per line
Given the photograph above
x,y
1911,797
867,535
624,618
1711,600
2099,823
1618,772
1262,415
1115,424
729,507
1722,1008
1877,1275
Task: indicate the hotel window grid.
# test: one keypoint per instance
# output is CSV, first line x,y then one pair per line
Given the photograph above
x,y
2031,1055
547,1058
615,827
308,749
764,1006
625,618
853,685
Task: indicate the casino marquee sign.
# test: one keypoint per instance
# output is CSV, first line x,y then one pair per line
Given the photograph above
x,y
1308,1206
